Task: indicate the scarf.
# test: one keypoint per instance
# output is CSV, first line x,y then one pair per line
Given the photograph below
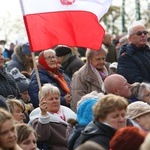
x,y
54,72
103,72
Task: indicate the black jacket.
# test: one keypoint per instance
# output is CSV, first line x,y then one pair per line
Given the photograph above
x,y
8,85
99,133
134,63
71,65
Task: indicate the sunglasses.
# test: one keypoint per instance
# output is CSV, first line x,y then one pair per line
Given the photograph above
x,y
141,32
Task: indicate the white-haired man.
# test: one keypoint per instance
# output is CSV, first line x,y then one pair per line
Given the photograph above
x,y
134,61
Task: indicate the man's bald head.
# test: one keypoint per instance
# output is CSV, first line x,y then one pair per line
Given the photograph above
x,y
118,85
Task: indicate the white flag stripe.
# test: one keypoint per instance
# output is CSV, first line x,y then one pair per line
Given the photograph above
x,y
98,7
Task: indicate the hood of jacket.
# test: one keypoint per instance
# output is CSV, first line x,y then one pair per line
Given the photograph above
x,y
18,55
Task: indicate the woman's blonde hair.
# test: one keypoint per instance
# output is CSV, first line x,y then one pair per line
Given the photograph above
x,y
48,88
12,103
108,104
4,116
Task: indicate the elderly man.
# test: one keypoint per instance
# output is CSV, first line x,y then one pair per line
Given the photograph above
x,y
134,62
118,85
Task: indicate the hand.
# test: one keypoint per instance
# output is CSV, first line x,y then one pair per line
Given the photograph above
x,y
67,98
43,107
26,74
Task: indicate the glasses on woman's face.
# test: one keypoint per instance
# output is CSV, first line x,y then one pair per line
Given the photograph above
x,y
139,33
51,57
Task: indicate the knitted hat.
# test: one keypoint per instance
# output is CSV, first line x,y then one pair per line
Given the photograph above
x,y
137,109
62,51
3,103
85,112
21,80
26,49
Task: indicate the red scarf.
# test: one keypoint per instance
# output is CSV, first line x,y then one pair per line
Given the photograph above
x,y
54,72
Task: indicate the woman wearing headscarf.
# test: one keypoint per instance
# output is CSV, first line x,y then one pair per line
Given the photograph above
x,y
49,72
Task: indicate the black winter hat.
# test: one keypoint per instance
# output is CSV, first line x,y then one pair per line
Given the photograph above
x,y
26,49
62,51
23,86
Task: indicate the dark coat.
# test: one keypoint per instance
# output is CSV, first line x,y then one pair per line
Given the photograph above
x,y
99,133
111,56
134,63
74,138
72,65
8,85
45,77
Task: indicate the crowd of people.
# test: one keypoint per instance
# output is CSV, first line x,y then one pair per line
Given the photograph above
x,y
86,99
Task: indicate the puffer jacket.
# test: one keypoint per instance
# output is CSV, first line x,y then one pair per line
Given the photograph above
x,y
45,77
134,63
8,85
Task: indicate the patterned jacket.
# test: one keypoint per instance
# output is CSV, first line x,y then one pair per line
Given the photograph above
x,y
8,85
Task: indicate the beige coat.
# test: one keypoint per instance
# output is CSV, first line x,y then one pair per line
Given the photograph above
x,y
85,81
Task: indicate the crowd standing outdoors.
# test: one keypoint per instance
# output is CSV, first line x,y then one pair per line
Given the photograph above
x,y
88,99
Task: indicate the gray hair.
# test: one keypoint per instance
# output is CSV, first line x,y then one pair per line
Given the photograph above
x,y
138,89
46,52
48,88
135,24
90,52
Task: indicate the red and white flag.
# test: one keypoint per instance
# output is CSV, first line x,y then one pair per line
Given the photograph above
x,y
64,22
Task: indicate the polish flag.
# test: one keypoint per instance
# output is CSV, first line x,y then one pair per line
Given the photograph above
x,y
73,23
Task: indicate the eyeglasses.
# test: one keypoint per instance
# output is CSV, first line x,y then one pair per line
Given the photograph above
x,y
139,33
51,57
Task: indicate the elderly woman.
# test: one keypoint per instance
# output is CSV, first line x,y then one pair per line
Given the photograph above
x,y
49,73
109,116
7,82
26,137
139,113
141,91
90,77
8,135
50,120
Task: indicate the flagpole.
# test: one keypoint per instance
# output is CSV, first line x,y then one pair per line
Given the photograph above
x,y
36,71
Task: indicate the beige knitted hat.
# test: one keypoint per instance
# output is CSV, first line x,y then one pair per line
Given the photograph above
x,y
137,109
